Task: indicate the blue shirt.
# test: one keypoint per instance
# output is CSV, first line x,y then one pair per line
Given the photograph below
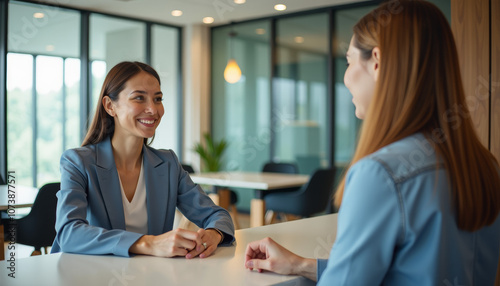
x,y
397,226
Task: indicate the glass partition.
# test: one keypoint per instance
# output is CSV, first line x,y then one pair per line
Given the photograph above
x,y
300,96
241,110
165,59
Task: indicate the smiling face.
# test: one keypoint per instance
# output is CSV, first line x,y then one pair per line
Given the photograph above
x,y
139,107
360,77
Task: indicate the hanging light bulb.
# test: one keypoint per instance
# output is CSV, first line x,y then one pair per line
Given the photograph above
x,y
232,72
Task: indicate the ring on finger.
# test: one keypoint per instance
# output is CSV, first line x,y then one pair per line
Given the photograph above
x,y
204,245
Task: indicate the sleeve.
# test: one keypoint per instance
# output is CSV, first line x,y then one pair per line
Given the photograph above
x,y
200,209
320,267
74,234
369,226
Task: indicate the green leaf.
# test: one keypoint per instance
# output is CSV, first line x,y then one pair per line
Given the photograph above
x,y
211,153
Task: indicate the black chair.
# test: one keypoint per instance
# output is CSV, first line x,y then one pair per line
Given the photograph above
x,y
233,197
310,199
288,168
284,168
37,229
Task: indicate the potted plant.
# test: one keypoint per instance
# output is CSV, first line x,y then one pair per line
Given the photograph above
x,y
211,153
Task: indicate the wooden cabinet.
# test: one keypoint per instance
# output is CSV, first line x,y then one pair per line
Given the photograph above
x,y
495,79
476,27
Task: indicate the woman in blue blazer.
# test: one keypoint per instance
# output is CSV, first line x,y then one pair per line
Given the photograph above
x,y
118,195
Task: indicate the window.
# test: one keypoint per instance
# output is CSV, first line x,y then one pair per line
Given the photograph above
x,y
42,90
20,117
44,100
112,40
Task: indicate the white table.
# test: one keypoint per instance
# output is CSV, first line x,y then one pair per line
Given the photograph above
x,y
312,237
249,180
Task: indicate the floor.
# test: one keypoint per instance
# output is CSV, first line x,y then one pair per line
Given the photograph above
x,y
22,251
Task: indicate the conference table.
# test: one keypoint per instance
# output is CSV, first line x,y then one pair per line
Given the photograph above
x,y
20,197
260,182
311,237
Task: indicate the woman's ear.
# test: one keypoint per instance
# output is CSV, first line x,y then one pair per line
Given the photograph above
x,y
108,106
376,62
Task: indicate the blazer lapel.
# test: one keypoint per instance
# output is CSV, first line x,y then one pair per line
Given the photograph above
x,y
109,183
157,189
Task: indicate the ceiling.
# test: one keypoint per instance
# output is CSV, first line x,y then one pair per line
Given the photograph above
x,y
223,11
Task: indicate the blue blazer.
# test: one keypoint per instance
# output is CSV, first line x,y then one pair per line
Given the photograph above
x,y
90,217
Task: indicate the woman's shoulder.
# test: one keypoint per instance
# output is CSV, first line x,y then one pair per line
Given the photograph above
x,y
84,153
411,155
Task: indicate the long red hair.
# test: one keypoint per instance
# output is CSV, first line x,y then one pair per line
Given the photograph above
x,y
419,89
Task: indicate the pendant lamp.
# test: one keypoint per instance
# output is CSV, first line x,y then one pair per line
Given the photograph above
x,y
232,72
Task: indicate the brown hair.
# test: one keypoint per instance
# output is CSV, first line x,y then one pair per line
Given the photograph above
x,y
103,125
419,89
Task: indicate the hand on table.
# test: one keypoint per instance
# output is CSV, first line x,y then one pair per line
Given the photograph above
x,y
211,238
179,242
268,255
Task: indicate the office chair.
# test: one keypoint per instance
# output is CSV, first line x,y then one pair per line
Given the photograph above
x,y
284,168
233,198
37,229
310,199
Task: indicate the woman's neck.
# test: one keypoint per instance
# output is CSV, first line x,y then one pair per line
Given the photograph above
x,y
127,152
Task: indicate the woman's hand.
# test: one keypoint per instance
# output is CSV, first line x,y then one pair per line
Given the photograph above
x,y
266,254
179,242
210,240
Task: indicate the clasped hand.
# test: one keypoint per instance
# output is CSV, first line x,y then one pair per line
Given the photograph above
x,y
179,242
268,255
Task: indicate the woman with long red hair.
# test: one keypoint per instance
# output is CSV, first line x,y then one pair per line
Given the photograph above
x,y
420,202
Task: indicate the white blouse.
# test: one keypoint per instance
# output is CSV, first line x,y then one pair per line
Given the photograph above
x,y
135,211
